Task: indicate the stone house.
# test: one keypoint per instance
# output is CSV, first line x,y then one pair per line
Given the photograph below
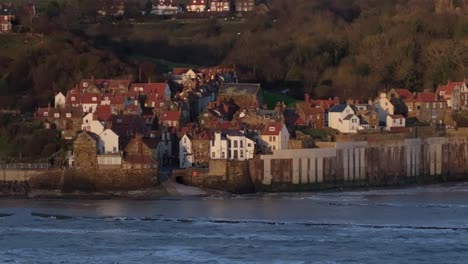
x,y
201,148
274,136
219,5
245,5
343,118
311,114
85,149
165,7
451,92
196,6
244,95
427,107
138,155
369,119
7,15
194,149
68,119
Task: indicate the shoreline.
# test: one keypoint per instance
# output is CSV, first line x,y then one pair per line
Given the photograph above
x,y
162,193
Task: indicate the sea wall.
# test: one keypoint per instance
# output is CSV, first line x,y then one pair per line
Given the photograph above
x,y
230,176
375,163
95,180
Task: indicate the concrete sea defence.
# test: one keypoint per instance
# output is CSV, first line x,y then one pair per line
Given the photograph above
x,y
347,164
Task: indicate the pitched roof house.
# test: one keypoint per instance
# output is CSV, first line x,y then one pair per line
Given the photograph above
x,y
196,6
451,92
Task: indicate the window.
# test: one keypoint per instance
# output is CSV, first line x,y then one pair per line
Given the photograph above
x,y
213,155
212,143
441,105
418,107
223,155
94,99
274,139
185,140
427,105
235,143
68,115
434,105
249,145
73,98
241,144
236,154
46,114
401,121
242,154
56,115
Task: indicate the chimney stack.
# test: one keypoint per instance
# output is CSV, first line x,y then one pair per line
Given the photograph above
x,y
307,99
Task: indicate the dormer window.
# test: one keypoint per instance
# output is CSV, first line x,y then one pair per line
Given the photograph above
x,y
94,99
73,98
68,115
46,114
271,129
85,84
56,115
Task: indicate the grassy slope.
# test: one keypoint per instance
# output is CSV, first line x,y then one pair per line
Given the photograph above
x,y
271,98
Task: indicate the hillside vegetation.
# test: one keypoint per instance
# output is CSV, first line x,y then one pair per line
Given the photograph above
x,y
326,47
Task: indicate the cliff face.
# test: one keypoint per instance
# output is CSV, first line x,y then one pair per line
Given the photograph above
x,y
442,6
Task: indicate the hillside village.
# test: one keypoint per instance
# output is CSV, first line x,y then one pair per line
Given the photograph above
x,y
10,11
207,115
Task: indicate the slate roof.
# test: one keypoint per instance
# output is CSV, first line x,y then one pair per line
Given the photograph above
x,y
338,108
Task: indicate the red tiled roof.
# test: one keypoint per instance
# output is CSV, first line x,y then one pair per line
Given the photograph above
x,y
103,113
148,88
426,97
272,129
88,98
404,93
325,104
170,116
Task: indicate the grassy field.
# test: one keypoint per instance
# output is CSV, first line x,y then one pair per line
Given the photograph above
x,y
271,98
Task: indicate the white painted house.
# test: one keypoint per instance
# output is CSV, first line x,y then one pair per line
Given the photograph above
x,y
273,137
86,123
343,118
59,101
232,145
185,152
383,107
97,127
395,122
108,142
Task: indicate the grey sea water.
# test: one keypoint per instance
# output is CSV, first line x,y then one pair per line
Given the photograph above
x,y
412,225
